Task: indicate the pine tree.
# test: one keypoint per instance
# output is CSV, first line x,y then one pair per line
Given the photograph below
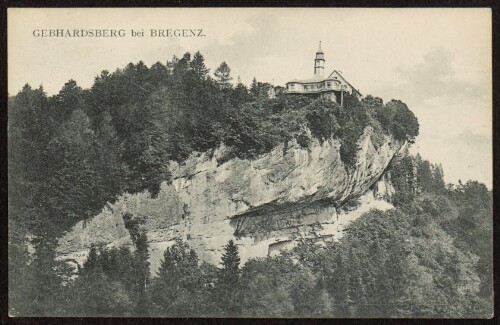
x,y
341,286
356,286
438,181
198,66
227,281
70,98
92,259
180,67
139,238
179,288
230,263
240,94
254,89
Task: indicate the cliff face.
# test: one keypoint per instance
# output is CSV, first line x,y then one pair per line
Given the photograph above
x,y
264,204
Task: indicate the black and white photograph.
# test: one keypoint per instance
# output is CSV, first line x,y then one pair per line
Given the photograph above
x,y
250,162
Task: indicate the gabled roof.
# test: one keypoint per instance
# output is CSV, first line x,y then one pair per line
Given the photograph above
x,y
343,79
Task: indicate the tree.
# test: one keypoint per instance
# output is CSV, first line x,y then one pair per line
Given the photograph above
x,y
438,185
179,288
222,75
113,170
339,285
159,75
371,102
230,263
181,67
472,231
100,289
198,66
265,287
28,130
70,98
139,239
92,261
404,124
261,90
308,296
322,119
240,94
74,160
227,281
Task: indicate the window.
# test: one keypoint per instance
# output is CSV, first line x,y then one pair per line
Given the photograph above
x,y
292,87
329,84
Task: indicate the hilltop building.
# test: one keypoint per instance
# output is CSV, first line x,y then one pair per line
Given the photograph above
x,y
333,87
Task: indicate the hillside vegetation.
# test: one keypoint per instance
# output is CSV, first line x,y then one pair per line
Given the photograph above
x,y
81,148
71,153
431,257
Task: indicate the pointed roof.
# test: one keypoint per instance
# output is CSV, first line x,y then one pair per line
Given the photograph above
x,y
319,49
319,54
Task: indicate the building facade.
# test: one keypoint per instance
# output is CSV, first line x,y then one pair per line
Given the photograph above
x,y
332,87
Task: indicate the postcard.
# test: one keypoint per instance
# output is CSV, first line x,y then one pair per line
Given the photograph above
x,y
250,162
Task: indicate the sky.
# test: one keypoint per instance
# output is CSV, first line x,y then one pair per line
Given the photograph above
x,y
438,61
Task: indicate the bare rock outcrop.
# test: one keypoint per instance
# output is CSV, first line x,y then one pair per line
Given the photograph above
x,y
265,204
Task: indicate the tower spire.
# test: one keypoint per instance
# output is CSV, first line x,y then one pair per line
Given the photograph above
x,y
319,62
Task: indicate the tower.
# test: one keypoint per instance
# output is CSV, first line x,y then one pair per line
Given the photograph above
x,y
319,62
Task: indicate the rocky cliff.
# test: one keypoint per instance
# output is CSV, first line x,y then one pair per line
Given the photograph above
x,y
265,204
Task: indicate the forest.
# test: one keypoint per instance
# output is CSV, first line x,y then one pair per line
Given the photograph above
x,y
71,153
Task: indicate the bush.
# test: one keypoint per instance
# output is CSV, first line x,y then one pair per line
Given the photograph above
x,y
303,140
351,204
322,119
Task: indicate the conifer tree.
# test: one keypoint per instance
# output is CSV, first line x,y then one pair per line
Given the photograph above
x,y
139,238
198,66
92,259
254,89
240,93
178,288
230,263
227,281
